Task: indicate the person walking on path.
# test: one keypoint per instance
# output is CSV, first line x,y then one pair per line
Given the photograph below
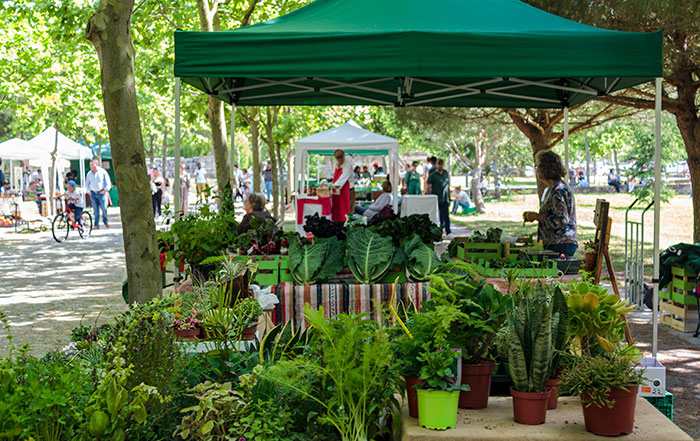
x,y
184,189
439,185
412,179
98,184
267,180
200,178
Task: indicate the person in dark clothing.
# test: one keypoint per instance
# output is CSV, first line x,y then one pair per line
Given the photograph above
x,y
254,206
614,180
439,184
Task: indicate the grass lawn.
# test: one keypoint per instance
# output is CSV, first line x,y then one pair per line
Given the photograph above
x,y
676,223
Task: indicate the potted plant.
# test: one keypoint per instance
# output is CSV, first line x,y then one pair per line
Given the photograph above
x,y
608,384
247,312
560,341
187,327
590,255
235,275
529,356
484,310
438,395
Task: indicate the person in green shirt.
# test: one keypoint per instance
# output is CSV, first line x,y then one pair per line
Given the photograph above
x,y
412,179
439,184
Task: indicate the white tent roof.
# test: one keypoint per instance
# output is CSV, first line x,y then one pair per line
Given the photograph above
x,y
18,150
67,149
348,136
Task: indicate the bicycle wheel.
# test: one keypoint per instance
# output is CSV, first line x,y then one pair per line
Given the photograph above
x,y
60,227
86,230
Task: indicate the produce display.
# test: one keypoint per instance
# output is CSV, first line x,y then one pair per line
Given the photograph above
x,y
314,262
370,255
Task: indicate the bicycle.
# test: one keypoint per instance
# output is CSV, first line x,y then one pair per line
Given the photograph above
x,y
65,221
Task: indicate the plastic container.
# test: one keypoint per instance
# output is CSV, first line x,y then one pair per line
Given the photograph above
x,y
437,409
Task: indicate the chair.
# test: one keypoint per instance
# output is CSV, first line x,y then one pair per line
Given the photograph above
x,y
26,213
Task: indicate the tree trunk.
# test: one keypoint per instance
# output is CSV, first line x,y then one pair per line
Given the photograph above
x,y
496,179
270,123
478,199
109,31
279,188
209,22
689,125
255,147
616,162
164,152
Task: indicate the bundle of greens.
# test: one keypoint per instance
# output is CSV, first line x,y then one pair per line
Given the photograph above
x,y
402,228
322,227
264,237
313,263
493,235
202,235
369,254
421,260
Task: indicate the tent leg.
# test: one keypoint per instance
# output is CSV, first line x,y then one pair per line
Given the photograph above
x,y
233,140
566,139
657,217
176,184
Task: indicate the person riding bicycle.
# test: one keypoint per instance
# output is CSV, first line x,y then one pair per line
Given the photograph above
x,y
75,201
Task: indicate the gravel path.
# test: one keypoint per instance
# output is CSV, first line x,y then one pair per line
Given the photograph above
x,y
47,287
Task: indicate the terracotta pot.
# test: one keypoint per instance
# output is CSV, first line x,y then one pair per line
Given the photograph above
x,y
249,332
411,396
611,422
530,407
188,334
553,384
589,260
478,378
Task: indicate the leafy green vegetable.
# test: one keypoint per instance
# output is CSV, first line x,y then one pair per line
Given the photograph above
x,y
313,263
401,228
370,255
421,260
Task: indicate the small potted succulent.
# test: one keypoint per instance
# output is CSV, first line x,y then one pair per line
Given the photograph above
x,y
590,256
529,357
247,312
438,395
608,385
187,327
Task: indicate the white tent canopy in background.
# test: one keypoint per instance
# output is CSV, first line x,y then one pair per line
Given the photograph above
x,y
19,150
354,141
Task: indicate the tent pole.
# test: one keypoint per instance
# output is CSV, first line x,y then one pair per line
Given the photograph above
x,y
12,174
566,139
233,140
176,183
657,217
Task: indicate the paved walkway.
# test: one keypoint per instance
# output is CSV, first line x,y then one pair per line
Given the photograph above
x,y
47,287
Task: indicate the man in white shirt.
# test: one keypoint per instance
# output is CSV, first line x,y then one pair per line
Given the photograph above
x,y
97,183
200,178
341,187
461,199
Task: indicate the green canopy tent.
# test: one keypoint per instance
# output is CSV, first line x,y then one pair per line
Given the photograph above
x,y
471,53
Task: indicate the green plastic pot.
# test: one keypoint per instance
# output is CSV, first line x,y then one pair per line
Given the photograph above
x,y
437,409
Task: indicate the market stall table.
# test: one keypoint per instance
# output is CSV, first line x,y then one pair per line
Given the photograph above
x,y
420,204
495,423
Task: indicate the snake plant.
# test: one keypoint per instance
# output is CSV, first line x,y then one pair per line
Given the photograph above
x,y
530,348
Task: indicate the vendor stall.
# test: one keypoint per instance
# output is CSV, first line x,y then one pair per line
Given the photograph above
x,y
355,142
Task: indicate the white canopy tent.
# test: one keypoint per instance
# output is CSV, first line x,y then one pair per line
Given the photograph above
x,y
51,140
354,141
19,150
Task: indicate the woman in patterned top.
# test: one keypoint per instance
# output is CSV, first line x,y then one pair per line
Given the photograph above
x,y
557,216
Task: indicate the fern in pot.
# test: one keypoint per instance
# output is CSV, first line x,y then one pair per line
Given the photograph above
x,y
529,357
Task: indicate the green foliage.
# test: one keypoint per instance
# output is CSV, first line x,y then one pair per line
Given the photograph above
x,y
401,229
283,341
595,319
483,306
530,350
202,236
268,420
438,369
560,329
597,375
247,311
218,405
421,260
313,263
369,254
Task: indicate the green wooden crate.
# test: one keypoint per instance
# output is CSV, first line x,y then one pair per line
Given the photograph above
x,y
663,404
682,285
285,274
548,269
680,271
475,251
268,272
511,252
398,271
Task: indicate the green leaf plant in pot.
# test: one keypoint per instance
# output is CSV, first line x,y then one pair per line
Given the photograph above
x,y
409,340
438,395
601,367
485,309
530,356
560,341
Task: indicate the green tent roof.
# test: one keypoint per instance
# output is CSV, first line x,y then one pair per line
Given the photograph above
x,y
486,53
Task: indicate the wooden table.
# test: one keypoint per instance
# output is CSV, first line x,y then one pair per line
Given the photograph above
x,y
495,423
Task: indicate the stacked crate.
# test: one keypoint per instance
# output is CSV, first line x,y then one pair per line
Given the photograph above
x,y
511,251
472,251
663,404
547,268
678,305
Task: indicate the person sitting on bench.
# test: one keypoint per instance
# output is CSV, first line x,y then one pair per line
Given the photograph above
x,y
384,199
461,200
